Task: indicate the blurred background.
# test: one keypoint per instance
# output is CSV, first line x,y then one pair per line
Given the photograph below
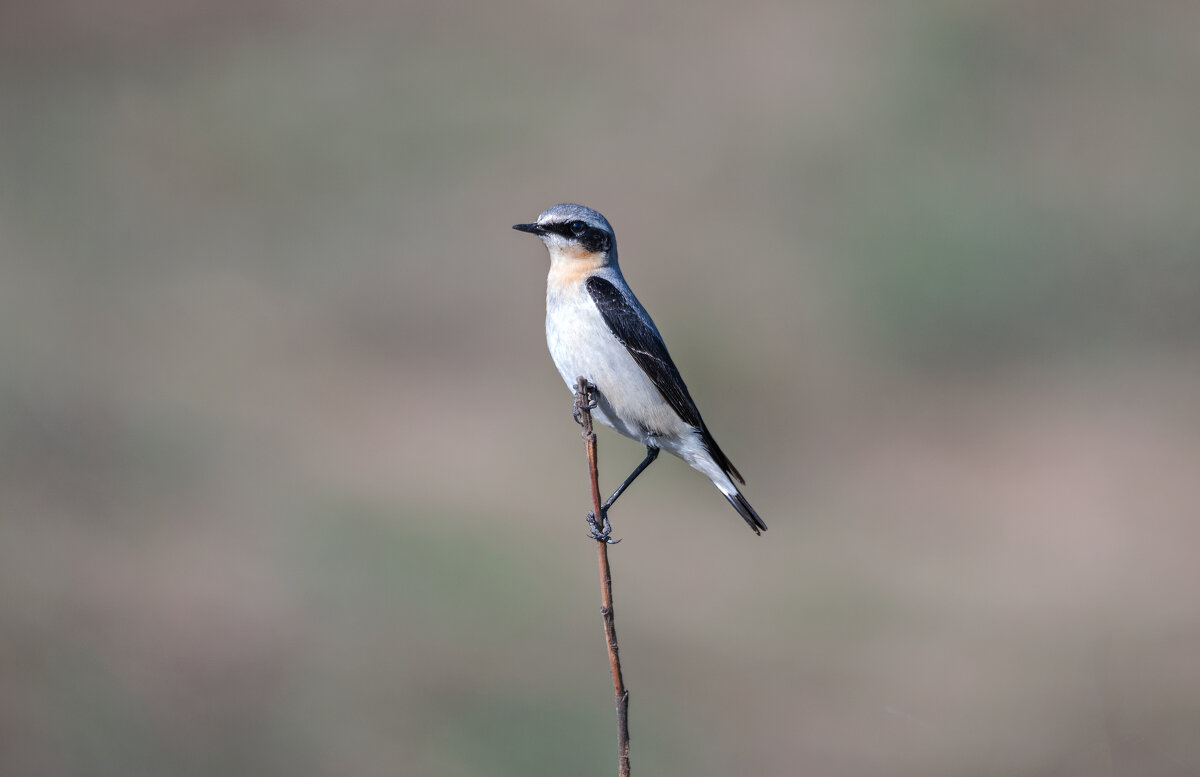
x,y
289,484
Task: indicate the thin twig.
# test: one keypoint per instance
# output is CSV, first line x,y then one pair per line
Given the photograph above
x,y
583,413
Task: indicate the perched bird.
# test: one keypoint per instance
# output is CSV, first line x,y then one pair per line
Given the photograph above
x,y
597,329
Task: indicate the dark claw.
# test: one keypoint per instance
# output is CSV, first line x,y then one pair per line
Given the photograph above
x,y
576,408
600,533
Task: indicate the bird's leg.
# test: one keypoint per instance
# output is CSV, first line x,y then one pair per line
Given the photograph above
x,y
602,530
577,407
651,455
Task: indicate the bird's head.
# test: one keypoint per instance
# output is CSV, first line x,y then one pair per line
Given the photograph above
x,y
573,233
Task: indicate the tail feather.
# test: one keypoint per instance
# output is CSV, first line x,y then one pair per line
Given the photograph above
x,y
746,511
719,456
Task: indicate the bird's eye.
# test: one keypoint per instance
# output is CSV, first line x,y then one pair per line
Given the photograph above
x,y
577,228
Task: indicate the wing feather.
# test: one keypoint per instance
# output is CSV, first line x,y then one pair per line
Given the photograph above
x,y
650,353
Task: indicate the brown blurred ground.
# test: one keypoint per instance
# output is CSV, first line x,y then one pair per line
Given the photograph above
x,y
288,484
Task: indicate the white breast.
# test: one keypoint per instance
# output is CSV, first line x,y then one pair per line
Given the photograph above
x,y
581,344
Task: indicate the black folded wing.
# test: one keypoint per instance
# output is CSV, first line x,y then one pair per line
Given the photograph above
x,y
650,353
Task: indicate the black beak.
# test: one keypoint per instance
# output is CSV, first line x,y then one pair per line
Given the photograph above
x,y
533,229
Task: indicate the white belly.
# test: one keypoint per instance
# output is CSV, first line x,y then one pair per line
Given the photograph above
x,y
582,345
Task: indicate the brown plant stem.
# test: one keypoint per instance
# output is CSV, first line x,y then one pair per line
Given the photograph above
x,y
583,412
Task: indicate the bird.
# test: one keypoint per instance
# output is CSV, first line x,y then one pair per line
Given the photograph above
x,y
597,329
